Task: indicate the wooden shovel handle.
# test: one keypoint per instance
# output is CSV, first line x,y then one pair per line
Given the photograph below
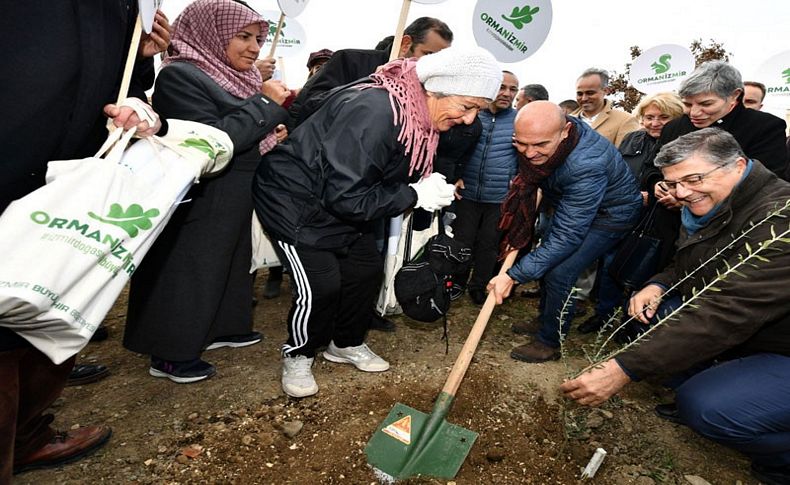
x,y
470,346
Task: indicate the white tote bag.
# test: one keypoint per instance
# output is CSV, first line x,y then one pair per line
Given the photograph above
x,y
71,246
263,254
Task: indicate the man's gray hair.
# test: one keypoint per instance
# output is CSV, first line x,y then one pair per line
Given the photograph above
x,y
535,91
602,73
713,144
717,77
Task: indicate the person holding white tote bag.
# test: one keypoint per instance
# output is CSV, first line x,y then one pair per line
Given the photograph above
x,y
56,90
193,291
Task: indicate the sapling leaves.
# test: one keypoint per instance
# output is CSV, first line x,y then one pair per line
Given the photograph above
x,y
750,258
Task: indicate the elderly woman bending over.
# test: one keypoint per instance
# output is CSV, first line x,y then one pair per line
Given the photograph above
x,y
347,166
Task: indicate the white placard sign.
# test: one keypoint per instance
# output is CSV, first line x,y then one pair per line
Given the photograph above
x,y
292,8
428,2
661,68
511,30
147,12
292,37
775,74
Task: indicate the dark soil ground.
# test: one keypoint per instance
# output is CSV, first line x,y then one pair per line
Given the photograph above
x,y
239,427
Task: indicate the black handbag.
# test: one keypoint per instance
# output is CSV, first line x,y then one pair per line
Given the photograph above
x,y
422,285
637,257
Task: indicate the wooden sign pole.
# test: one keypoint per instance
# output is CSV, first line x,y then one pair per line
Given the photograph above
x,y
281,65
396,42
126,80
277,34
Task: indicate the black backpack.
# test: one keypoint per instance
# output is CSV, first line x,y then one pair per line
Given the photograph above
x,y
422,285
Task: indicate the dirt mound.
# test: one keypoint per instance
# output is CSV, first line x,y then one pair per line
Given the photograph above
x,y
238,427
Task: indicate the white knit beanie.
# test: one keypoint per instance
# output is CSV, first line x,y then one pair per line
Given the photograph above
x,y
461,71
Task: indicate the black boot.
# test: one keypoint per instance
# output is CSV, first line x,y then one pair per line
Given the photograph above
x,y
592,324
377,322
771,475
669,412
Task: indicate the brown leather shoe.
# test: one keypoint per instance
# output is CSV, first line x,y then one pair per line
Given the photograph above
x,y
526,328
65,447
535,352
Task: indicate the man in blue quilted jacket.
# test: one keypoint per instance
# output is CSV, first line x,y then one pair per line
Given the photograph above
x,y
592,199
482,188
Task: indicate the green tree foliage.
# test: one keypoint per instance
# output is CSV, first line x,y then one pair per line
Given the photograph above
x,y
626,97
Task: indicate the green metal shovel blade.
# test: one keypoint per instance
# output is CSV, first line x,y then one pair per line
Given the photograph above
x,y
410,443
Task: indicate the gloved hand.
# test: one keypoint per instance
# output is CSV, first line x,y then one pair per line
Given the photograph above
x,y
433,192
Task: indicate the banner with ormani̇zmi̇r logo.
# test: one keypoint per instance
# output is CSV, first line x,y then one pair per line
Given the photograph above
x,y
775,74
661,68
292,36
511,30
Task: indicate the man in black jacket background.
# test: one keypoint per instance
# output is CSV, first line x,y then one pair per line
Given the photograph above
x,y
64,68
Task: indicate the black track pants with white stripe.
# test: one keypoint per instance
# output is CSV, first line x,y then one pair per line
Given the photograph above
x,y
332,294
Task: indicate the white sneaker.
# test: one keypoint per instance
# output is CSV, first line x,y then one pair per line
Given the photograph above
x,y
297,378
360,356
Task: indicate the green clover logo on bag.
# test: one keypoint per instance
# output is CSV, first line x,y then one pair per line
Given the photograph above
x,y
520,16
202,145
786,75
130,220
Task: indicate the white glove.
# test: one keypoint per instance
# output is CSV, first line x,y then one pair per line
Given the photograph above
x,y
433,192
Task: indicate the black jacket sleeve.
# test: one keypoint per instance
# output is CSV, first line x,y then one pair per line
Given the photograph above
x,y
185,93
357,166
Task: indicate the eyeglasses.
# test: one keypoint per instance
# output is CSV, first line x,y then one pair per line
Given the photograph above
x,y
689,181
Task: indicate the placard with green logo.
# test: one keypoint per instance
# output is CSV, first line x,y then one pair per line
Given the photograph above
x,y
292,8
511,30
661,68
147,10
292,37
775,74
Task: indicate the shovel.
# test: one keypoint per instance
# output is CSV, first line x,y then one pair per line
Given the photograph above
x,y
409,442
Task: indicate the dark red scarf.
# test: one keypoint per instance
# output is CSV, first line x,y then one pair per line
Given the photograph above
x,y
519,210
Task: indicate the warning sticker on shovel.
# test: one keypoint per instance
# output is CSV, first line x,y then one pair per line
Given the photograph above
x,y
400,430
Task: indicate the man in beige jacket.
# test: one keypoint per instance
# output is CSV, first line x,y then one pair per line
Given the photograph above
x,y
598,112
613,124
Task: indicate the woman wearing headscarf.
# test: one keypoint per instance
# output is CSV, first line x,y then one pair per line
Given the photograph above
x,y
347,166
194,290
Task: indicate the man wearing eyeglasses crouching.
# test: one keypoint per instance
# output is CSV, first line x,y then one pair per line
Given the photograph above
x,y
726,349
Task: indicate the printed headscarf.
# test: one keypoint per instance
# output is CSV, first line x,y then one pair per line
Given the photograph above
x,y
201,35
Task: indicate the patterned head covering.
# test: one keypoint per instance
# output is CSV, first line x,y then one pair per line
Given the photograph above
x,y
201,35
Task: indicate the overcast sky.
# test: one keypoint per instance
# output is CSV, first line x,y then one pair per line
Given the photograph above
x,y
583,33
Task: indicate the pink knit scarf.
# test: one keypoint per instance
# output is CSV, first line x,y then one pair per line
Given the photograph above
x,y
410,111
